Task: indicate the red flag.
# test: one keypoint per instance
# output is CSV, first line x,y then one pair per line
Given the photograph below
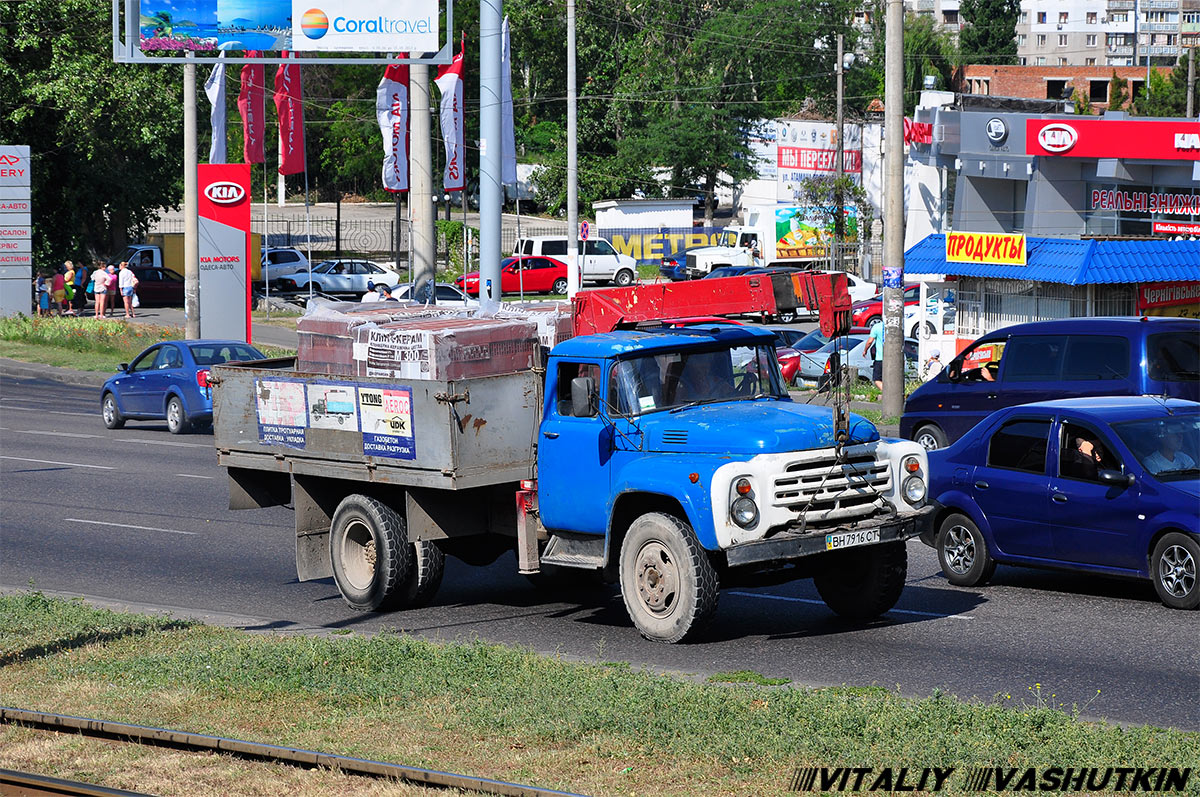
x,y
449,81
288,106
391,111
250,106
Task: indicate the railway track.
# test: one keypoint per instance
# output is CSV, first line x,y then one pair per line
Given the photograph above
x,y
254,751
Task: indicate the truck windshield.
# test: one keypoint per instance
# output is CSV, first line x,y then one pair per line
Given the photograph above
x,y
670,380
728,239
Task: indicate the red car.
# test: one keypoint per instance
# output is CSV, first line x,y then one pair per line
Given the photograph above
x,y
868,311
531,274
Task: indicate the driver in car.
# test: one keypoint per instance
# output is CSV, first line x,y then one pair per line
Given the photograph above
x,y
1169,456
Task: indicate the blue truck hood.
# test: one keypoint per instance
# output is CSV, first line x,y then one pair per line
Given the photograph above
x,y
747,427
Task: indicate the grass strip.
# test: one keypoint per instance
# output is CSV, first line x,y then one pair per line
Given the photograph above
x,y
508,713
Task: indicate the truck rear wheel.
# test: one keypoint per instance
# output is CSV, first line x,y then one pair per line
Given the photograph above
x,y
669,586
372,560
863,583
425,575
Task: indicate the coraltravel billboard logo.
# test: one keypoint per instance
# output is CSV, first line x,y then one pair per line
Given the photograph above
x,y
371,26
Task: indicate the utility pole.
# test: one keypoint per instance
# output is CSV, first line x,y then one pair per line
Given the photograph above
x,y
491,193
1191,81
839,201
572,162
191,206
893,212
422,242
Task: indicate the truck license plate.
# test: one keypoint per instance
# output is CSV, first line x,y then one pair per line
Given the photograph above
x,y
848,539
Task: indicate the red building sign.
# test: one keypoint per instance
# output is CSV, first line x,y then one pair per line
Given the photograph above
x,y
1113,138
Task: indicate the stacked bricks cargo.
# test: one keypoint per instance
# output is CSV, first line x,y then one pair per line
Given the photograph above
x,y
445,349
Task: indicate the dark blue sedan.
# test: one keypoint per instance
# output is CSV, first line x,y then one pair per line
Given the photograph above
x,y
169,381
674,267
1105,485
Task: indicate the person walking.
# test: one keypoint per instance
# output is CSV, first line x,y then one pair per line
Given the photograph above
x,y
127,282
875,342
58,290
69,288
81,281
43,295
100,289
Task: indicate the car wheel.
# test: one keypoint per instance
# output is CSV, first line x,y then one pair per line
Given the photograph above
x,y
177,422
863,583
963,553
624,278
931,437
669,586
1173,568
110,412
560,286
370,554
787,317
870,322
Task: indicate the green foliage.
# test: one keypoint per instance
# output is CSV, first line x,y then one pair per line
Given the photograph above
x,y
927,51
85,334
1118,94
450,234
987,35
1083,104
1167,95
828,193
747,677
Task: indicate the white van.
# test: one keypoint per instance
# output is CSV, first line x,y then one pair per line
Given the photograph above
x,y
598,261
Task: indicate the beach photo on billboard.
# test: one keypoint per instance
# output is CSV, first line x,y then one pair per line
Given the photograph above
x,y
177,25
263,25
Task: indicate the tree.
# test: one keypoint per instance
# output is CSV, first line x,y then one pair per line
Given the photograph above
x,y
988,35
1117,94
1167,95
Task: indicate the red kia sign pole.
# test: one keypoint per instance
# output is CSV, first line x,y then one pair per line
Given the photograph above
x,y
224,232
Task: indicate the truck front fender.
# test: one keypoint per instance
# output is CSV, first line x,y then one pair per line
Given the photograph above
x,y
668,477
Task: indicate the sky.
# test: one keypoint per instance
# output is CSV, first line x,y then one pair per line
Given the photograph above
x,y
265,13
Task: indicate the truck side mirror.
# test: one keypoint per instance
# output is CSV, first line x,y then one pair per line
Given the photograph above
x,y
583,397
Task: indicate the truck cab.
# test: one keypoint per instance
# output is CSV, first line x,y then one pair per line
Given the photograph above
x,y
737,246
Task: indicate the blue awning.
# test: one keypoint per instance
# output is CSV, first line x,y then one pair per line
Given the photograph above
x,y
1070,261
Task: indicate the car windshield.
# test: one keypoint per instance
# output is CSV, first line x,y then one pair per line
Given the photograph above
x,y
844,343
674,380
217,353
1168,447
814,338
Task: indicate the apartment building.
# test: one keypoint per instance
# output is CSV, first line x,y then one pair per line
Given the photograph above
x,y
1052,82
1103,32
945,13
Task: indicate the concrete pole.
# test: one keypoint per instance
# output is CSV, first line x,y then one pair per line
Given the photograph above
x,y
893,212
491,193
191,207
839,201
572,161
280,190
1191,82
423,242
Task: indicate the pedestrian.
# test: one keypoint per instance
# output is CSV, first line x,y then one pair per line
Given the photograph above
x,y
385,294
114,293
127,282
81,281
932,366
69,288
43,297
58,291
371,295
875,346
100,289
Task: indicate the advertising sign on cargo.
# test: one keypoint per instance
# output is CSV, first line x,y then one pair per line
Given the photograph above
x,y
332,406
282,412
387,427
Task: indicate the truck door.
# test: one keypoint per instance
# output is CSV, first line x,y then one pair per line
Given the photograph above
x,y
573,455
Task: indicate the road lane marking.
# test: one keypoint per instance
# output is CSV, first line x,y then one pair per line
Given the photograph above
x,y
194,476
52,412
115,439
55,434
52,462
822,603
160,442
127,526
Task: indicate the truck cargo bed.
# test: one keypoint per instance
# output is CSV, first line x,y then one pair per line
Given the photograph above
x,y
442,434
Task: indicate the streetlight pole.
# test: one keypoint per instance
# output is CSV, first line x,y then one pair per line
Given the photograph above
x,y
572,161
893,219
839,221
191,206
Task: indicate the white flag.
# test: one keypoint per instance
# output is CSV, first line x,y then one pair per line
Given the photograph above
x,y
508,140
214,87
449,82
391,110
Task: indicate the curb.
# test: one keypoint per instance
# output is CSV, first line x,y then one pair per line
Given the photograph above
x,y
15,369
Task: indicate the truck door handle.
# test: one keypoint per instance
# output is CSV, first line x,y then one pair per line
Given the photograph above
x,y
982,485
551,435
1058,498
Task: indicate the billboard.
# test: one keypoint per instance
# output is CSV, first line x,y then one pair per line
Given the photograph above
x,y
809,149
375,26
224,205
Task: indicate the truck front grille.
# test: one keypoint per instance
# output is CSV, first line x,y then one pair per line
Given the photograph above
x,y
691,261
824,492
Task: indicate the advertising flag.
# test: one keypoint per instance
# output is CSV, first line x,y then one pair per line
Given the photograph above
x,y
251,107
449,82
391,110
214,87
288,106
508,139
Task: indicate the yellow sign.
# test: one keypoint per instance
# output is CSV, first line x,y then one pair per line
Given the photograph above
x,y
1004,248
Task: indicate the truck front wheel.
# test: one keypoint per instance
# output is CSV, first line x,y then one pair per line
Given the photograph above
x,y
863,583
372,560
669,586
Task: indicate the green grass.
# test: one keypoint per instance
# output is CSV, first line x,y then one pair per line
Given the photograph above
x,y
506,712
747,677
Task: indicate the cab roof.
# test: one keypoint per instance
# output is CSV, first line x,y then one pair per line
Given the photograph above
x,y
1111,409
633,341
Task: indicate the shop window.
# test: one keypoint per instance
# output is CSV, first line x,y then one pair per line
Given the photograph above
x,y
1097,89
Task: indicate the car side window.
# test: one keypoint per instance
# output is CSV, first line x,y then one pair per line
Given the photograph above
x,y
598,247
149,275
168,357
1082,454
553,248
566,373
981,362
446,292
146,361
1096,357
1034,358
1020,445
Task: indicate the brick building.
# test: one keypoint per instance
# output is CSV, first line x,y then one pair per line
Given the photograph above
x,y
1052,82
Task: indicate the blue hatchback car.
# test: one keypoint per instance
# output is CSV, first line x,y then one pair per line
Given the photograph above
x,y
1105,485
169,381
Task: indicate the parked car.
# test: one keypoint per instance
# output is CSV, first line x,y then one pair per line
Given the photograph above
x,y
1104,485
721,272
169,381
866,312
789,363
339,277
815,366
598,261
157,287
278,261
1047,360
522,274
674,267
447,295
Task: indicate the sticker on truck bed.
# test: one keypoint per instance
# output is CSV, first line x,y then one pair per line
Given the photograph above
x,y
282,412
386,415
332,406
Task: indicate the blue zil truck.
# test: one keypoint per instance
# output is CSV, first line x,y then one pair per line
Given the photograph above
x,y
666,457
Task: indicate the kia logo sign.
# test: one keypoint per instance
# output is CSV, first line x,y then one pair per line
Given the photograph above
x,y
1057,137
225,193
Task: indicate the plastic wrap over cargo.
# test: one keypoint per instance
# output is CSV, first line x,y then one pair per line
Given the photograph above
x,y
445,348
555,321
326,331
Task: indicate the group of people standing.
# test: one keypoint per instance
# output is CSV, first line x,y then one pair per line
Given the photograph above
x,y
64,291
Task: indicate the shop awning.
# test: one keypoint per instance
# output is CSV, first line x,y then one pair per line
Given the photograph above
x,y
1070,261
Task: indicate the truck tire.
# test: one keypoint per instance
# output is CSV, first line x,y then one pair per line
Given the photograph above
x,y
425,575
863,583
110,412
669,586
372,560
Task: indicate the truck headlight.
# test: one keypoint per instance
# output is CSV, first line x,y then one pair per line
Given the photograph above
x,y
914,489
744,512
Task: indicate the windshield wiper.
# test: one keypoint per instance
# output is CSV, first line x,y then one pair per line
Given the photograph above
x,y
698,402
